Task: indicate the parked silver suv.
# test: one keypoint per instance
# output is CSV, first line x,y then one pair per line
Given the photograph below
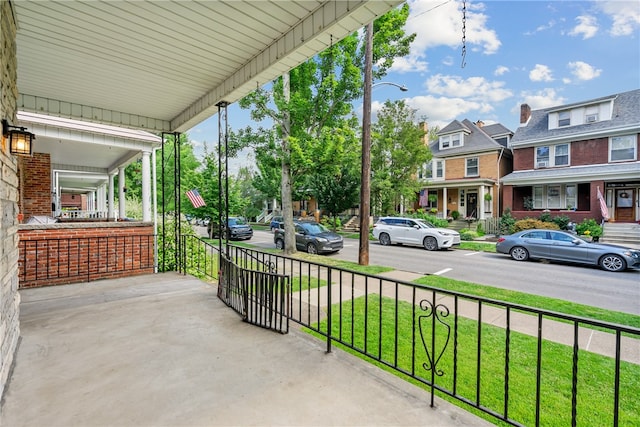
x,y
413,231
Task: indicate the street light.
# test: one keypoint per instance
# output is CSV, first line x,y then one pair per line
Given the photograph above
x,y
365,183
403,88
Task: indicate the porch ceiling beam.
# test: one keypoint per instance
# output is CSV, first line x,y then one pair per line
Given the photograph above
x,y
89,113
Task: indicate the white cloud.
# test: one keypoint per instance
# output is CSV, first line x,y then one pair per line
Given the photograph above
x,y
448,61
624,14
583,71
540,99
409,64
540,73
440,24
587,27
440,111
566,80
473,88
500,70
541,28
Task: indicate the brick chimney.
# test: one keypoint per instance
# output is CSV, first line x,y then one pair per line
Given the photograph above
x,y
425,128
479,123
525,113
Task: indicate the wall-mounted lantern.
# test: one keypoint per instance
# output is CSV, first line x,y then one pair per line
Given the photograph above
x,y
20,140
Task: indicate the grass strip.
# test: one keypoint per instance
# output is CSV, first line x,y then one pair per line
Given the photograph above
x,y
531,300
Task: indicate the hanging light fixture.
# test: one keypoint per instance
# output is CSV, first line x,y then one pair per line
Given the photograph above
x,y
20,140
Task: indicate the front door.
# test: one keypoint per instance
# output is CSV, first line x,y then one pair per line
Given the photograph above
x,y
472,205
625,205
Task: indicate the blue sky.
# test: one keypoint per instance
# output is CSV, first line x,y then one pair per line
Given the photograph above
x,y
544,53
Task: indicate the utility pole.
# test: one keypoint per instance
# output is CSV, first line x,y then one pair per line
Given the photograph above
x,y
365,185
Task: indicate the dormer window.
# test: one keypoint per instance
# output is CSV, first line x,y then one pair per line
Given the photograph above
x,y
564,118
591,114
451,141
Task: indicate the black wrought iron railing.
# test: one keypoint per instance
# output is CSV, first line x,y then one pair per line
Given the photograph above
x,y
521,365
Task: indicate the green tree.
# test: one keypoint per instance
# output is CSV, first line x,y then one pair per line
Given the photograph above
x,y
308,105
398,149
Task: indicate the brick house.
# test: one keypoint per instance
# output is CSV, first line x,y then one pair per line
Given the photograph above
x,y
562,157
464,174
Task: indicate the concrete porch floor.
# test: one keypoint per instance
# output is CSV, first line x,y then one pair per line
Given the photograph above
x,y
163,350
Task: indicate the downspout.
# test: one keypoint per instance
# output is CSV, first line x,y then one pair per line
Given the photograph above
x,y
498,199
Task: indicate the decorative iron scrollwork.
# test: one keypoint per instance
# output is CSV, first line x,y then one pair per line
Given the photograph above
x,y
433,314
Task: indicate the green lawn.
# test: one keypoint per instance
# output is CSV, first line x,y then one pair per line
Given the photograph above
x,y
595,372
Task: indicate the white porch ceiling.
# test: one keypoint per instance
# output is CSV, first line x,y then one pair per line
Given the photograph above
x,y
164,65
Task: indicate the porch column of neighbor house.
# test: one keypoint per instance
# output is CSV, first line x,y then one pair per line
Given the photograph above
x,y
146,186
101,199
55,194
121,189
445,199
481,202
110,197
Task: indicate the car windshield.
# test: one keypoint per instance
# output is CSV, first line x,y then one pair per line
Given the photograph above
x,y
237,221
314,228
425,224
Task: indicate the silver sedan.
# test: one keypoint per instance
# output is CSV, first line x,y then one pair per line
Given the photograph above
x,y
562,246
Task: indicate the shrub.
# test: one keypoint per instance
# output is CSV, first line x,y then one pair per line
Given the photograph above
x,y
545,217
467,235
529,223
455,215
590,225
507,222
480,229
562,221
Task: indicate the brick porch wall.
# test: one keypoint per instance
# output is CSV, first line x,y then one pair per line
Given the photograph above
x,y
62,253
35,173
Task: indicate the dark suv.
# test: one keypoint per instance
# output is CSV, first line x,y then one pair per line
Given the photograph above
x,y
311,237
237,229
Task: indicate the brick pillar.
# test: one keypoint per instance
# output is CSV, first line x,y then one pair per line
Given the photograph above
x,y
36,185
9,296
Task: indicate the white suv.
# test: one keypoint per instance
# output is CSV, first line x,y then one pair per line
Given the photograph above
x,y
413,231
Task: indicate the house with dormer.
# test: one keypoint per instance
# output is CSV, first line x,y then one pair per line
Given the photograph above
x,y
570,158
464,174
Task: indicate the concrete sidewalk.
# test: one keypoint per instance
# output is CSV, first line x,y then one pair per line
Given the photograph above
x,y
162,350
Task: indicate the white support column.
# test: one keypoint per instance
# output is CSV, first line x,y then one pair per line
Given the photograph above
x,y
445,202
121,201
110,210
146,186
481,202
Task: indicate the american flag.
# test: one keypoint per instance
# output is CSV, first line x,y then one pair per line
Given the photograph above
x,y
603,206
195,198
424,199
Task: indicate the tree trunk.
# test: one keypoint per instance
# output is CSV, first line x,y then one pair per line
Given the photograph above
x,y
287,204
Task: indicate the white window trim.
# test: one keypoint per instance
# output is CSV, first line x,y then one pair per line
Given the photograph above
x,y
551,163
449,138
635,148
466,166
543,202
434,171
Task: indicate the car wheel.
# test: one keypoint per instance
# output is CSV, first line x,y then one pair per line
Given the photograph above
x,y
430,243
384,239
519,253
311,248
280,244
612,262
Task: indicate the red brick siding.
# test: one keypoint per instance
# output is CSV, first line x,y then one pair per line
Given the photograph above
x,y
590,152
54,256
36,185
523,158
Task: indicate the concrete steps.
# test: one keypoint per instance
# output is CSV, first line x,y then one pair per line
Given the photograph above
x,y
620,233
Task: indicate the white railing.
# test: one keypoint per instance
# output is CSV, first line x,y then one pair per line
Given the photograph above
x,y
80,214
